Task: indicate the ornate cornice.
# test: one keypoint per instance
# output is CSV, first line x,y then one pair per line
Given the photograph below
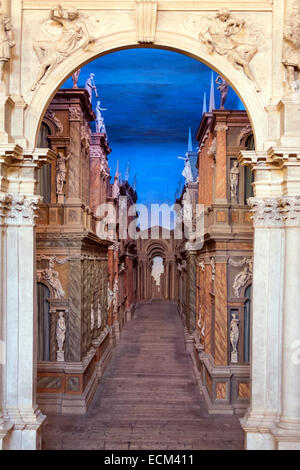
x,y
266,212
22,210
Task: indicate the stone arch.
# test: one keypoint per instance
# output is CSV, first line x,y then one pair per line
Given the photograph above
x,y
164,40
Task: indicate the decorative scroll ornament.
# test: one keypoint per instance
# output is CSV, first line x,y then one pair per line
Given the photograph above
x,y
22,210
51,277
290,209
244,276
146,19
266,212
291,51
60,336
58,124
245,131
6,41
234,337
227,36
68,33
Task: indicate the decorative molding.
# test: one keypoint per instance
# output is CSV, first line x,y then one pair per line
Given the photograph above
x,y
22,210
5,204
243,276
146,20
234,38
290,209
266,212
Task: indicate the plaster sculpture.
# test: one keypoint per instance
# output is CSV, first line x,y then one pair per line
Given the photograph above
x,y
67,32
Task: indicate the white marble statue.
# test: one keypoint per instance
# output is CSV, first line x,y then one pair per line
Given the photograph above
x,y
100,126
6,41
90,86
234,182
187,170
60,336
234,337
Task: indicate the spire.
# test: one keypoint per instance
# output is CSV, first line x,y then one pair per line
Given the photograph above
x,y
204,110
134,182
127,172
190,145
212,94
117,170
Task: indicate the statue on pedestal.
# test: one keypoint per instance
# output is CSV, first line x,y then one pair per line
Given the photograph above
x,y
100,126
90,86
234,182
60,337
223,89
75,77
187,170
234,337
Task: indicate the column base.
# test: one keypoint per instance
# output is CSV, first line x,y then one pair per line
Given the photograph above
x,y
258,431
287,435
5,432
26,435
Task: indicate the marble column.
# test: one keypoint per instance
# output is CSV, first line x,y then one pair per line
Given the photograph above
x,y
221,164
288,431
267,291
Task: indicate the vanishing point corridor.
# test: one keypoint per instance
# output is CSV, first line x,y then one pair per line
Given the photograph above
x,y
148,397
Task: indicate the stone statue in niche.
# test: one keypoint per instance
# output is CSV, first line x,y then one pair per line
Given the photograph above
x,y
234,182
234,337
92,317
100,126
115,295
60,336
6,41
223,89
67,32
201,325
90,86
61,171
75,78
220,35
213,268
99,316
242,277
291,49
110,296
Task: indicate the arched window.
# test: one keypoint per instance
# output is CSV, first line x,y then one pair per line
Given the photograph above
x,y
248,175
247,319
43,294
44,178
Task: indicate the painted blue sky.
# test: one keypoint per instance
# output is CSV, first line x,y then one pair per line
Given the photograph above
x,y
152,97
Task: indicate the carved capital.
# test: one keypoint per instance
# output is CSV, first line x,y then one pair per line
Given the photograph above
x,y
75,114
5,204
290,208
146,19
22,210
221,127
266,212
